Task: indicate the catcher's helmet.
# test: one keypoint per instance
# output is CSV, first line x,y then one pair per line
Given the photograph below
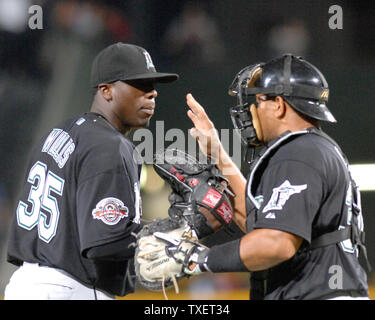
x,y
300,83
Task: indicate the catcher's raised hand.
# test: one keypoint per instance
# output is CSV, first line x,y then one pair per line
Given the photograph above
x,y
204,130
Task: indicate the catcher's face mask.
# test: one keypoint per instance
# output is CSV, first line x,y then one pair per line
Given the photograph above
x,y
244,115
300,84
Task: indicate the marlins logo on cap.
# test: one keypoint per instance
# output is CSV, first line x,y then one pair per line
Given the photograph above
x,y
149,63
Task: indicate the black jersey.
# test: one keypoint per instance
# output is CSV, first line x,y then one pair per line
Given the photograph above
x,y
303,187
81,190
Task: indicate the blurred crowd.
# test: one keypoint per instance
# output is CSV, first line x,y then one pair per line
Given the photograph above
x,y
21,50
192,36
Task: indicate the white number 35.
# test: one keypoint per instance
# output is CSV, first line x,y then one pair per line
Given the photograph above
x,y
40,197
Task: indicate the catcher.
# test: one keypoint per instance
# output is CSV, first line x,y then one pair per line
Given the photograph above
x,y
300,207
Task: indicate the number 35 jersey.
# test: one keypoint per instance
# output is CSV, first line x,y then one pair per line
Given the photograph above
x,y
81,190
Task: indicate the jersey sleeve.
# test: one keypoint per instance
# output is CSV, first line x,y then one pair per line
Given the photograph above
x,y
107,199
292,192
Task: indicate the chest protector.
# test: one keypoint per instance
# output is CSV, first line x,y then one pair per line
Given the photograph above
x,y
354,231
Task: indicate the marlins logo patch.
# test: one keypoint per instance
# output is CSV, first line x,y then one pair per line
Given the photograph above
x,y
110,211
281,194
149,63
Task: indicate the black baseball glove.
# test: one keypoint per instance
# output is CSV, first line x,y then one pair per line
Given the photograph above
x,y
200,193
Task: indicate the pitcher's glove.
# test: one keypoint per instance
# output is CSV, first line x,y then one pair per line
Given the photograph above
x,y
156,267
200,192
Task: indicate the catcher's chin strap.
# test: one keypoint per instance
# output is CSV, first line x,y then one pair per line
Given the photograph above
x,y
249,159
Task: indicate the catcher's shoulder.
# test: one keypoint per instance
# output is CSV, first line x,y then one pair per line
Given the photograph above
x,y
308,148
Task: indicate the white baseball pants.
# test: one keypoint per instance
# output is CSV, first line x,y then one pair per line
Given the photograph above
x,y
34,282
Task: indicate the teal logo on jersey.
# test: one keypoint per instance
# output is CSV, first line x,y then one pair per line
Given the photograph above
x,y
281,194
110,211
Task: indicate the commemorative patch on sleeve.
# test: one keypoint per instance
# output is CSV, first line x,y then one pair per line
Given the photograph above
x,y
110,211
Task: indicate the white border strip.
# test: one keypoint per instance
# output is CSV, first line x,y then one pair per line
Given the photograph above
x,y
364,176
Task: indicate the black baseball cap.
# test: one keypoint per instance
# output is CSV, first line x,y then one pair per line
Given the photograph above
x,y
122,61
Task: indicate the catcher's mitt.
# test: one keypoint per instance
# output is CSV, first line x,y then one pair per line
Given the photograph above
x,y
156,267
199,190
